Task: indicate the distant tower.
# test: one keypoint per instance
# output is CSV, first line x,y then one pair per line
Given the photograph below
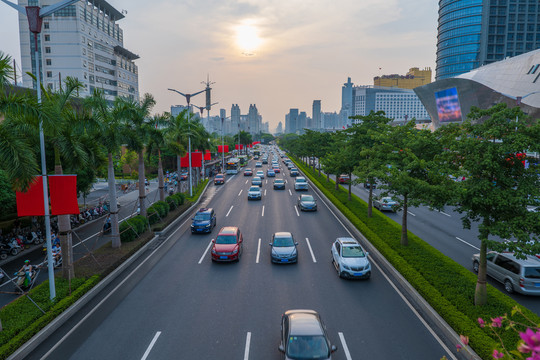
x,y
316,115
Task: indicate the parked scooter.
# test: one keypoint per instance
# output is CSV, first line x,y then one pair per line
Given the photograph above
x,y
4,251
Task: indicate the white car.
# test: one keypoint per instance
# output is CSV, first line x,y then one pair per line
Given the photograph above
x,y
300,183
260,174
254,193
350,259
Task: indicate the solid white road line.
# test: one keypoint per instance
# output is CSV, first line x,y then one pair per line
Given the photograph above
x,y
344,345
408,212
311,251
228,212
297,213
258,251
147,352
426,325
229,179
262,211
240,192
463,241
205,251
290,193
248,341
442,212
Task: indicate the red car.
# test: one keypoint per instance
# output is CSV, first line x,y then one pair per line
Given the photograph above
x,y
228,244
248,172
343,179
219,179
276,169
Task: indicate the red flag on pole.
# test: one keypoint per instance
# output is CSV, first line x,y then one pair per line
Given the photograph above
x,y
30,203
223,148
184,161
63,190
239,147
207,155
196,159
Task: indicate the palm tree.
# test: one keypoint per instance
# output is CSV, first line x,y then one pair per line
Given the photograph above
x,y
156,140
177,132
111,134
135,114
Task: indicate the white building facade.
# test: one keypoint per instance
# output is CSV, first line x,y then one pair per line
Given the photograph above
x,y
83,41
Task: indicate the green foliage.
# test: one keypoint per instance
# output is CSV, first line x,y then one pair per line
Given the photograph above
x,y
179,197
172,201
130,159
158,211
132,228
21,319
7,195
198,191
446,285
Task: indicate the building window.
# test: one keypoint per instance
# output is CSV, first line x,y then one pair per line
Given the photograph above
x,y
49,74
45,25
48,61
47,50
47,37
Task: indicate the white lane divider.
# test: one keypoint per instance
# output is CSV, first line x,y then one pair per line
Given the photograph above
x,y
258,251
471,245
263,211
229,179
266,182
147,352
285,181
290,193
248,341
408,212
247,181
344,346
240,192
311,251
205,251
228,212
297,213
442,212
264,192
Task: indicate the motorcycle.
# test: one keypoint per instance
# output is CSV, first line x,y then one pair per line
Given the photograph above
x,y
4,251
22,282
14,247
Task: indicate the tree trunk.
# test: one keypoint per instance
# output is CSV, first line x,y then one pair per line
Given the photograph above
x,y
480,293
113,206
160,178
370,203
319,165
66,242
142,185
350,186
327,177
178,177
337,183
404,237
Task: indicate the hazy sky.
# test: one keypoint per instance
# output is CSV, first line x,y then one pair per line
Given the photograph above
x,y
277,54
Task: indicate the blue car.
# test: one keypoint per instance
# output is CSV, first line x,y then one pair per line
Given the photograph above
x,y
204,221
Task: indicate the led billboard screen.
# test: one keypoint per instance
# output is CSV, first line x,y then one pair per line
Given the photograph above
x,y
448,107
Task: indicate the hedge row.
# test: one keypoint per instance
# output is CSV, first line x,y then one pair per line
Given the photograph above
x,y
157,211
445,284
130,229
175,200
22,319
198,191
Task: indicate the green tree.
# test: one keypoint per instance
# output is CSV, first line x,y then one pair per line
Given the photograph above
x,y
498,187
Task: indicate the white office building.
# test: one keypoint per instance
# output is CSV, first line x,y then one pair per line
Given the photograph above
x,y
84,41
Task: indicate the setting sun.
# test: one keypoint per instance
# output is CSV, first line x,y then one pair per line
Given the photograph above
x,y
247,39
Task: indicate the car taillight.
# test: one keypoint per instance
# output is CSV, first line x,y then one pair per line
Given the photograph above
x,y
521,281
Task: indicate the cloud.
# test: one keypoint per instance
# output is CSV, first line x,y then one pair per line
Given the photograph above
x,y
219,58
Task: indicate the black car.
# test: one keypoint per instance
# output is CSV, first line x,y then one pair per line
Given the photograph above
x,y
307,203
294,172
303,336
204,221
279,184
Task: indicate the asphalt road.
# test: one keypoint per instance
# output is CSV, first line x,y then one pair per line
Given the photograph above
x,y
187,307
444,231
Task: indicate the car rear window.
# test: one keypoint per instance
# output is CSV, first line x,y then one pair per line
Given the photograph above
x,y
532,272
202,216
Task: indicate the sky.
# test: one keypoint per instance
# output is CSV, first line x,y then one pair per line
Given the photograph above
x,y
277,54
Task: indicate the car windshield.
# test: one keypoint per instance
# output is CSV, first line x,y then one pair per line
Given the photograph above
x,y
254,188
301,180
307,347
387,199
307,198
219,176
532,272
279,181
283,241
226,239
353,251
202,216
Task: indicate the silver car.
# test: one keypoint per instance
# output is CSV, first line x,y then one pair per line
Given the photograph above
x,y
283,248
303,336
349,259
517,275
300,183
385,204
254,193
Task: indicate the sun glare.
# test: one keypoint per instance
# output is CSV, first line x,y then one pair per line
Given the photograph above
x,y
247,39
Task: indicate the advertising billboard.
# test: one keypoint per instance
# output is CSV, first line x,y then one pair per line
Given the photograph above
x,y
448,107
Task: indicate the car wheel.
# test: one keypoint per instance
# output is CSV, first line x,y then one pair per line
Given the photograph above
x,y
508,286
340,273
475,266
3,256
14,252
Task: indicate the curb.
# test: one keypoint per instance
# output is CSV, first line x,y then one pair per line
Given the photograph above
x,y
65,316
418,302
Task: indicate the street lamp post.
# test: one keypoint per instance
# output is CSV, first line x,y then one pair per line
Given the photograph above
x,y
188,98
223,145
34,15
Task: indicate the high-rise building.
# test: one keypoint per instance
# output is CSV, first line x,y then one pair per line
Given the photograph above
x,y
279,129
235,119
473,33
253,120
84,41
414,78
316,115
347,101
330,120
293,121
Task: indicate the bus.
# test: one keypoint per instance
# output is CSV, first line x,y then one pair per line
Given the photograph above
x,y
243,160
232,166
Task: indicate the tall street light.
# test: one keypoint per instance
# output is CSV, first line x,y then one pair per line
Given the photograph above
x,y
188,99
35,15
223,144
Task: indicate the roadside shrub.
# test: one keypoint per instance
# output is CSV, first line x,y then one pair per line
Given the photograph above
x,y
172,201
180,198
132,228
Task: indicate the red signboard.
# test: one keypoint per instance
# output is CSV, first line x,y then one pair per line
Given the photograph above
x,y
223,148
239,147
30,203
63,191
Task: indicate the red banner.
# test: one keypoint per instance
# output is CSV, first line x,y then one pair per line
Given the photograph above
x,y
30,203
256,142
63,191
196,160
239,147
223,148
184,161
207,155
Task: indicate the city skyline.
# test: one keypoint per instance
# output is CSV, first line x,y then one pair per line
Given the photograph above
x,y
278,55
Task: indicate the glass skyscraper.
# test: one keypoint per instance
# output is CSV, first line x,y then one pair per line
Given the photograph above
x,y
473,33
